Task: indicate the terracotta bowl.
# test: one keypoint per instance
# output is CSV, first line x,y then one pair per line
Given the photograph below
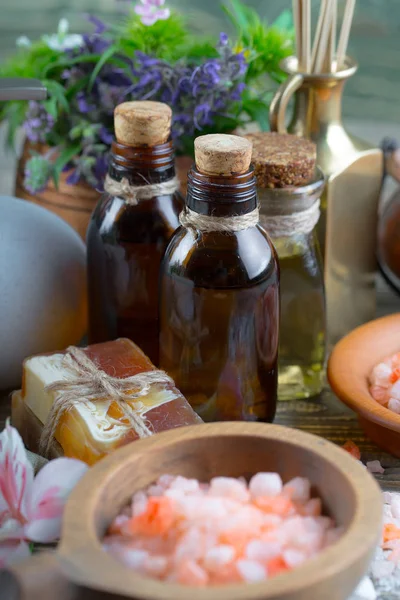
x,y
349,365
349,493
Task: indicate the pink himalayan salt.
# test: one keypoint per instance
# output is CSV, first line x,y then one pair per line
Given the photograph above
x,y
384,383
222,532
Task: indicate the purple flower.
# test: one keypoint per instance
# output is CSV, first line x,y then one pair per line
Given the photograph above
x,y
106,136
100,26
38,122
83,105
74,177
150,11
198,94
223,39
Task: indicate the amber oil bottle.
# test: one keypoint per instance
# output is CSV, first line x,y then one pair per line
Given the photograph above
x,y
219,290
131,227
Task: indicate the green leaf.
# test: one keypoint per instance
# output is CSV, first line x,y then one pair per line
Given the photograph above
x,y
57,91
258,111
77,87
103,59
63,159
284,21
14,114
51,107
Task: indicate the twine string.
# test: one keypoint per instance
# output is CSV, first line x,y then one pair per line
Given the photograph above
x,y
286,225
207,223
134,193
90,384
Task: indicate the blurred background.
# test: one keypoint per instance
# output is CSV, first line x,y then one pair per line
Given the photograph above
x,y
374,94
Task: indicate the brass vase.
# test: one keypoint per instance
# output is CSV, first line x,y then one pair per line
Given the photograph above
x,y
349,205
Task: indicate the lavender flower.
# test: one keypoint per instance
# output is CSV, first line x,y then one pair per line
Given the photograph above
x,y
38,171
150,11
197,94
38,122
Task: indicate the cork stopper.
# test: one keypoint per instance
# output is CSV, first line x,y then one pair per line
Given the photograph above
x,y
282,160
219,154
142,123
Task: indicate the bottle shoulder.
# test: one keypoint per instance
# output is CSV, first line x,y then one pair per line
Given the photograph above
x,y
216,259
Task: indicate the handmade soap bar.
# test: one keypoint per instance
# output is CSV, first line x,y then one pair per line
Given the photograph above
x,y
96,422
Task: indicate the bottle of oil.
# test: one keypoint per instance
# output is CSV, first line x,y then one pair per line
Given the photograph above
x,y
289,188
219,291
131,227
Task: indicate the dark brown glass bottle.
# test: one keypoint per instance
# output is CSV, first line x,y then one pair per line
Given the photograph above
x,y
219,299
126,242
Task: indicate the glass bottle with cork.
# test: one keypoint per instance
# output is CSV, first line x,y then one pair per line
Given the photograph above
x,y
131,227
219,290
289,188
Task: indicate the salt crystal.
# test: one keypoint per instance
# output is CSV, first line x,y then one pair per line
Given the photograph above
x,y
294,558
190,573
229,487
381,375
218,557
313,507
251,571
365,590
382,568
298,489
155,566
139,503
187,486
134,559
387,497
155,490
165,481
374,466
262,551
265,484
395,391
395,505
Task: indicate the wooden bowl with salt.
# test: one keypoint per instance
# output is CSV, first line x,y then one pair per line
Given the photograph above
x,y
349,367
350,495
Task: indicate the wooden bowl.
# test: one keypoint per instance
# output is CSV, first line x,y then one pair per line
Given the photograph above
x,y
350,495
350,363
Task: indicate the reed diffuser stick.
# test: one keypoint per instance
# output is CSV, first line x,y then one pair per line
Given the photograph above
x,y
306,35
297,31
323,40
345,32
318,33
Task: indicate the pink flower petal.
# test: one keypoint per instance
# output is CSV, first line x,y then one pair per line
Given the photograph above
x,y
11,530
12,552
51,488
145,11
16,475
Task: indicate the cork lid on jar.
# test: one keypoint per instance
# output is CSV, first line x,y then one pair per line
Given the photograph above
x,y
282,160
142,123
222,155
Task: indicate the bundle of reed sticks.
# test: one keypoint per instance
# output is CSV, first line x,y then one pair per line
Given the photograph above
x,y
322,56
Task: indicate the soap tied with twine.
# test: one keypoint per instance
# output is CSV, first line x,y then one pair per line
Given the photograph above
x,y
90,384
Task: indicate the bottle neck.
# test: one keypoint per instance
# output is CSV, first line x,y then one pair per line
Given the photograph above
x,y
221,196
317,106
142,164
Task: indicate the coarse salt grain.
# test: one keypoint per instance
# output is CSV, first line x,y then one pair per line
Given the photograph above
x,y
251,571
374,466
219,533
265,484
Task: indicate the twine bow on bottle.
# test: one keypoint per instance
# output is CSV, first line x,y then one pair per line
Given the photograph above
x,y
89,384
